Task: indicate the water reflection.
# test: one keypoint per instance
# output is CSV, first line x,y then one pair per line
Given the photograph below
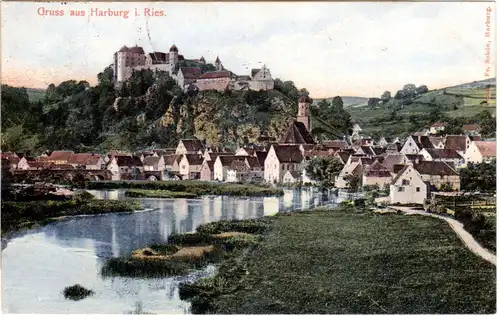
x,y
38,265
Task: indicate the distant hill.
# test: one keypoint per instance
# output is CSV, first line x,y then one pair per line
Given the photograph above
x,y
352,101
35,95
464,100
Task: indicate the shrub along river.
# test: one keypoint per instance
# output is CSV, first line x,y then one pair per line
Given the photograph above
x,y
38,264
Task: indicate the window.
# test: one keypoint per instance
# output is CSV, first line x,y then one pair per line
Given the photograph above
x,y
401,189
405,182
418,189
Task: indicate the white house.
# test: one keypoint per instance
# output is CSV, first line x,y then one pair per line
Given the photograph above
x,y
291,177
189,146
154,163
354,168
112,166
408,187
222,164
414,144
279,160
190,166
437,127
481,151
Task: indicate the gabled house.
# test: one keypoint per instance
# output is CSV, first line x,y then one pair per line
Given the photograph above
x,y
336,145
472,129
481,151
437,141
292,177
443,155
212,156
207,170
222,164
408,187
376,174
437,127
282,158
154,164
391,160
189,146
172,163
190,166
459,143
382,141
393,148
125,167
350,169
86,161
438,173
245,151
237,172
414,144
256,170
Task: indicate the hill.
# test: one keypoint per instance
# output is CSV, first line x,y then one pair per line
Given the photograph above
x,y
398,118
352,101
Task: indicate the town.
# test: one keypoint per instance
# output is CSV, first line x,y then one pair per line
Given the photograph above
x,y
411,169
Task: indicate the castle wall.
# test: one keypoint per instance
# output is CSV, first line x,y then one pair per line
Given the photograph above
x,y
261,85
219,84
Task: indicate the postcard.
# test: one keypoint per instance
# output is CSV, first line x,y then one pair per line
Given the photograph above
x,y
248,158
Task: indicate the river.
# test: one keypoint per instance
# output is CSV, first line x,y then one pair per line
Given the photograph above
x,y
38,264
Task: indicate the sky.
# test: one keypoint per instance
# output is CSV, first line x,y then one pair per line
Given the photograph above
x,y
347,49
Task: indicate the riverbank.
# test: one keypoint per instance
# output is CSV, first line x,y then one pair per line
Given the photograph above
x,y
184,253
350,261
198,188
28,214
154,193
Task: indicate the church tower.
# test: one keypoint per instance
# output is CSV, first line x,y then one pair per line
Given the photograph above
x,y
303,114
218,64
173,58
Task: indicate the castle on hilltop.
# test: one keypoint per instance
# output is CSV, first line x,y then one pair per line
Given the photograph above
x,y
127,60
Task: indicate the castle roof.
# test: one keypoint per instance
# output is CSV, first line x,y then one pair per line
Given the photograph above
x,y
202,58
217,60
255,71
190,73
173,48
214,75
297,133
124,49
136,49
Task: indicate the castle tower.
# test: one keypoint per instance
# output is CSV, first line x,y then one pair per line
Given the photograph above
x,y
202,60
303,114
121,63
218,64
173,58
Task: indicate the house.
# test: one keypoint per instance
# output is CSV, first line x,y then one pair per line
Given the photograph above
x,y
187,76
437,141
350,169
437,127
376,174
481,151
472,129
189,146
190,166
245,151
414,144
438,173
342,156
221,165
459,143
282,158
356,129
412,158
207,170
382,141
237,172
408,187
125,167
335,145
256,169
212,156
443,155
60,157
391,160
393,148
154,164
291,177
86,161
172,162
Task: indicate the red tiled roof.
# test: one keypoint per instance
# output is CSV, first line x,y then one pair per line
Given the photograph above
x,y
192,145
288,153
170,159
226,160
84,159
339,144
215,75
487,148
151,161
261,156
391,160
456,142
128,161
136,49
190,73
471,127
434,168
423,142
60,155
253,162
194,159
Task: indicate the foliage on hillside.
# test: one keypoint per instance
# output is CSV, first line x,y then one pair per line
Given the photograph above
x,y
414,108
149,110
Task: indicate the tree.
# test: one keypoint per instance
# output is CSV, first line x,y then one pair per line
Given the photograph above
x,y
422,89
353,181
337,102
385,97
487,123
324,169
479,177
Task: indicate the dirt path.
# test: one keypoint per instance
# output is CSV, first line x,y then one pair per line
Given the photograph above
x,y
457,226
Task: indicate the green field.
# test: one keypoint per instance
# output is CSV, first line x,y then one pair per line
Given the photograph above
x,y
343,262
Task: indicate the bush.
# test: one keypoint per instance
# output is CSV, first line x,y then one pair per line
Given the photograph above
x,y
82,196
76,292
251,226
